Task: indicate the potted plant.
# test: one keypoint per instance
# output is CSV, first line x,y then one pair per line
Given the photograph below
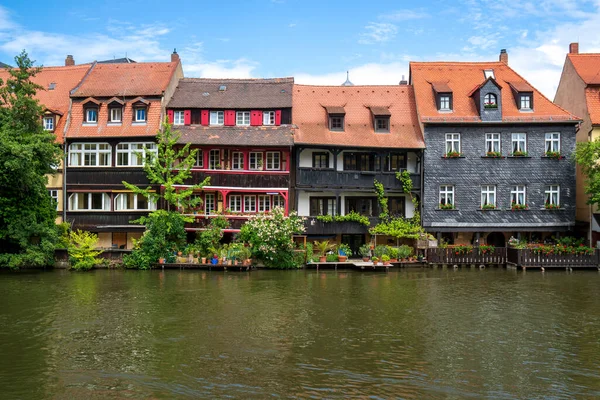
x,y
394,253
365,252
375,260
386,259
322,248
404,252
161,260
452,154
344,252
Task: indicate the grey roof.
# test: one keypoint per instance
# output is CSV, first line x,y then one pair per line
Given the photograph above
x,y
2,65
259,136
237,93
124,60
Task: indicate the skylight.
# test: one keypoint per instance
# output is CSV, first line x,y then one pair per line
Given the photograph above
x,y
489,73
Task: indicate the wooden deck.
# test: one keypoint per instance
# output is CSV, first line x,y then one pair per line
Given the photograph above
x,y
207,267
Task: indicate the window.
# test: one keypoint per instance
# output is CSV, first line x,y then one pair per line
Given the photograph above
x,y
48,123
135,154
269,118
517,195
178,118
488,73
216,118
278,201
336,122
249,203
553,142
116,114
492,143
395,162
322,206
90,155
256,160
264,203
235,203
91,115
488,196
445,102
396,206
54,195
362,205
359,162
132,202
273,160
214,159
237,160
490,101
242,118
447,195
199,159
525,102
140,114
89,202
209,203
519,143
382,124
552,195
452,142
320,160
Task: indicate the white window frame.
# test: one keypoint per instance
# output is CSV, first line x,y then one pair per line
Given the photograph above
x,y
212,163
525,102
278,201
445,102
492,143
234,203
237,160
264,203
273,161
518,195
217,118
447,194
256,161
452,142
145,110
116,114
242,118
88,114
552,142
488,195
199,159
54,195
121,202
209,203
490,99
74,201
269,118
48,123
516,140
552,195
81,151
136,153
249,204
179,117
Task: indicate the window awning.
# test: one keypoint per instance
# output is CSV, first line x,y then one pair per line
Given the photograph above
x,y
380,111
521,86
441,87
335,110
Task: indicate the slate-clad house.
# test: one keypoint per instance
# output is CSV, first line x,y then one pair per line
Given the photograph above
x,y
242,129
497,158
579,92
115,115
347,137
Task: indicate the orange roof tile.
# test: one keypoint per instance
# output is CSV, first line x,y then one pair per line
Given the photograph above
x,y
462,77
592,96
56,100
135,79
310,116
587,67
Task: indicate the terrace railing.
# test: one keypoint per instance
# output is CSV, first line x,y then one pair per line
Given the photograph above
x,y
476,256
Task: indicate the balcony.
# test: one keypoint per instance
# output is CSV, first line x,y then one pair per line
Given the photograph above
x,y
329,178
107,221
243,179
315,227
106,176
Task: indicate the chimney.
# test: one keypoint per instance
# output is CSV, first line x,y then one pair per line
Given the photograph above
x,y
574,48
403,81
69,61
503,56
174,56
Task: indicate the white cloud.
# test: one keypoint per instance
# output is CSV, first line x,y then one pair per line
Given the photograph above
x,y
367,74
378,32
291,25
404,15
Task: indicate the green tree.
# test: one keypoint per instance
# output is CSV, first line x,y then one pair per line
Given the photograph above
x,y
587,156
82,250
27,153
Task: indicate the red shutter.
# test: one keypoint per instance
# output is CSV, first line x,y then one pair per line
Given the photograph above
x,y
204,117
187,117
170,114
229,119
278,117
255,118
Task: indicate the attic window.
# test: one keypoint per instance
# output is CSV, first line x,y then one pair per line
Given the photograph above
x,y
51,86
222,88
525,102
49,122
445,102
336,116
490,101
488,73
443,96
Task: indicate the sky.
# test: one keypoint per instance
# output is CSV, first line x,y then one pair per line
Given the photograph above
x,y
314,41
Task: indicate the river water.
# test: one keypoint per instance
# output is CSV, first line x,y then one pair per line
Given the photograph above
x,y
413,334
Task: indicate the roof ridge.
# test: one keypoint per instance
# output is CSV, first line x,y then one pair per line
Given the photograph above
x,y
458,62
352,87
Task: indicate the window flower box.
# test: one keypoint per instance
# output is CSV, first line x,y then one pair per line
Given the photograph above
x,y
488,207
446,206
452,154
493,154
488,106
549,206
517,207
519,154
555,155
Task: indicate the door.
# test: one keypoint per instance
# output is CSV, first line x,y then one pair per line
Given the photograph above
x,y
354,241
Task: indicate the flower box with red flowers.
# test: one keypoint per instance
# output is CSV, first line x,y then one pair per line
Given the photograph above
x,y
515,206
446,206
452,154
555,155
549,206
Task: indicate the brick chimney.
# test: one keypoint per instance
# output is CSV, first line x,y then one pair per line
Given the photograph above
x,y
503,56
174,56
69,61
574,48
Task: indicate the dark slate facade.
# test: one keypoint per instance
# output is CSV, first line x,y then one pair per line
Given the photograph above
x,y
473,170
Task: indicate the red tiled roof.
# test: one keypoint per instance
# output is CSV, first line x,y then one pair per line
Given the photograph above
x,y
592,96
587,67
310,116
135,79
462,77
56,100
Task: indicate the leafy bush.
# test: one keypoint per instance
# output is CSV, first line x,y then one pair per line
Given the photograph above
x,y
331,258
381,250
385,258
82,250
365,250
344,250
405,251
394,252
207,241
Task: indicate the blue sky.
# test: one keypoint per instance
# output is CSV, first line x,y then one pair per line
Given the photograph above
x,y
315,41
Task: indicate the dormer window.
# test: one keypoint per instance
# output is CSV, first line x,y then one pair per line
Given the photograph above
x,y
140,110
178,118
49,123
139,114
490,101
525,102
217,117
115,110
523,93
336,117
91,115
381,118
269,118
116,114
445,100
488,73
443,96
243,118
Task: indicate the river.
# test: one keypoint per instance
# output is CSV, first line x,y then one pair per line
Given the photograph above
x,y
411,334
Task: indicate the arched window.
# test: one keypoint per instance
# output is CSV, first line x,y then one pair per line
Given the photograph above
x,y
490,101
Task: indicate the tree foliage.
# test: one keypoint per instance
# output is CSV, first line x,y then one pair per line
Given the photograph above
x,y
27,153
82,250
587,156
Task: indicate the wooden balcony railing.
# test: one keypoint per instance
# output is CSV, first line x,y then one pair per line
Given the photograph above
x,y
312,177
